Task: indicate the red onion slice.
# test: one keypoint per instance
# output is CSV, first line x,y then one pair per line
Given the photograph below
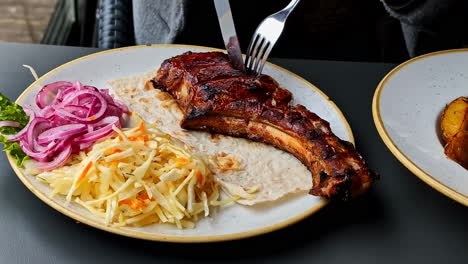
x,y
78,85
43,154
60,132
84,146
9,124
48,93
58,161
101,132
71,118
59,109
38,125
23,131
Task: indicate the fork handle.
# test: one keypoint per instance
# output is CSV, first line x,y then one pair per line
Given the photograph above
x,y
292,4
289,8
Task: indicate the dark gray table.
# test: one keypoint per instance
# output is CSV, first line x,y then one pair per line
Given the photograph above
x,y
401,220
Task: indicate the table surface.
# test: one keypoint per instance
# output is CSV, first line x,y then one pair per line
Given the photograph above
x,y
401,220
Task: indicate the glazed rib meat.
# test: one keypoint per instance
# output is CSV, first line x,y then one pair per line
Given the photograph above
x,y
215,97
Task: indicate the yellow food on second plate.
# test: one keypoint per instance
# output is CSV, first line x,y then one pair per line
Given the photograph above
x,y
454,127
136,177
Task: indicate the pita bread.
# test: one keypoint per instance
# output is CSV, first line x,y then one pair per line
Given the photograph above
x,y
239,164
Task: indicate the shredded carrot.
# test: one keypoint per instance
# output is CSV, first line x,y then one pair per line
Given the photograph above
x,y
115,162
199,176
92,117
143,197
140,127
139,138
181,161
113,151
134,204
85,171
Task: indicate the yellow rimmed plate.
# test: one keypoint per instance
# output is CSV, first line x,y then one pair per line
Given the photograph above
x,y
230,222
406,108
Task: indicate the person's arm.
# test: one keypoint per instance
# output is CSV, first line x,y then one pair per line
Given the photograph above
x,y
430,25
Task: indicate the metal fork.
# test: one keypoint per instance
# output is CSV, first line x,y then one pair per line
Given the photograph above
x,y
265,37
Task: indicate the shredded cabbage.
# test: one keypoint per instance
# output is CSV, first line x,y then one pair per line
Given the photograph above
x,y
136,177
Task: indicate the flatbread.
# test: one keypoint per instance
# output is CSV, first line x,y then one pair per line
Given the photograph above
x,y
239,164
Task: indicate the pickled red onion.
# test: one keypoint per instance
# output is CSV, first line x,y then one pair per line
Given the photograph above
x,y
9,124
71,118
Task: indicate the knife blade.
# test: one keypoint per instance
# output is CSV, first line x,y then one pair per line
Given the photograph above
x,y
226,23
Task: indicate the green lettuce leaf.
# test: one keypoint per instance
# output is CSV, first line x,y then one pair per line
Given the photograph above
x,y
10,111
15,151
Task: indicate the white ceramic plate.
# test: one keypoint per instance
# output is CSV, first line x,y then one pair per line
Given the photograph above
x,y
406,108
230,222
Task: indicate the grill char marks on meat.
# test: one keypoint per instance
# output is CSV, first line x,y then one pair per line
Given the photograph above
x,y
217,98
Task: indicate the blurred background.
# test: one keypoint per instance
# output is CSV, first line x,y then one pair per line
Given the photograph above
x,y
364,30
25,21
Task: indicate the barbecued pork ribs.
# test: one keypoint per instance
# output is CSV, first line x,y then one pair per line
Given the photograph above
x,y
215,97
